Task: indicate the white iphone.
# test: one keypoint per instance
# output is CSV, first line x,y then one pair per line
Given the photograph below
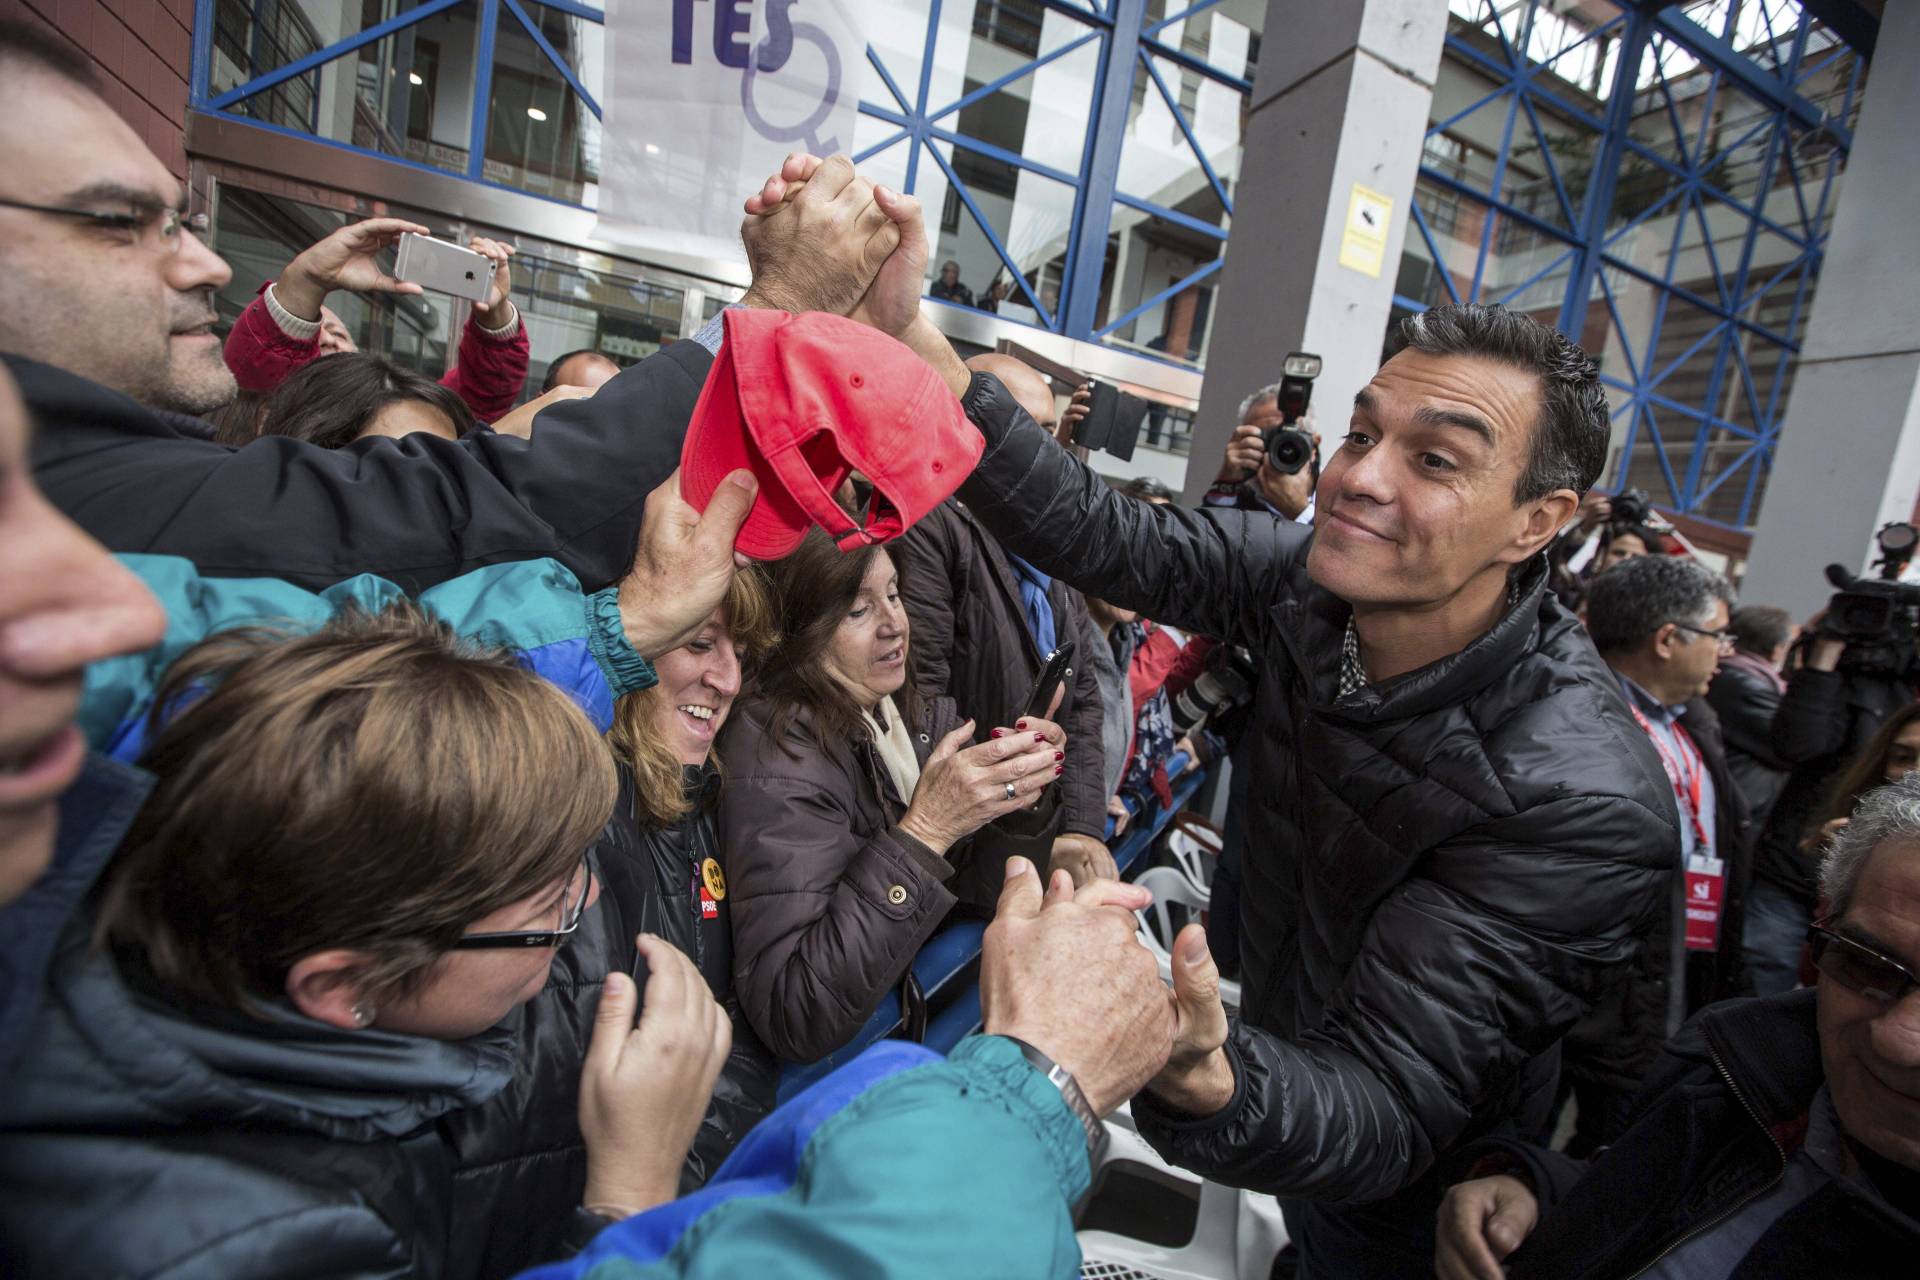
x,y
444,267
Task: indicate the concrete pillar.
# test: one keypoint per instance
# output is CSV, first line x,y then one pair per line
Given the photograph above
x,y
1340,99
1848,459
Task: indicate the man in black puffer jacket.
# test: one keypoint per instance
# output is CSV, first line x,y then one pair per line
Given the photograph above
x,y
1461,836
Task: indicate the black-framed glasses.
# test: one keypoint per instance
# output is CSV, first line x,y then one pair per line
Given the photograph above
x,y
1859,968
165,224
1722,637
571,910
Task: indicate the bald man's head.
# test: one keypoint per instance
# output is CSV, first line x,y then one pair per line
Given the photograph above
x,y
1028,386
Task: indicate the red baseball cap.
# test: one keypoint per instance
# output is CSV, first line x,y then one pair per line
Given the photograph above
x,y
803,400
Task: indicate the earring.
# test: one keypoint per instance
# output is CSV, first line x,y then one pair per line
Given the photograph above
x,y
361,1015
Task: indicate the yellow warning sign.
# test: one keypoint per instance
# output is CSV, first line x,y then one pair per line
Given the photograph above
x,y
1363,244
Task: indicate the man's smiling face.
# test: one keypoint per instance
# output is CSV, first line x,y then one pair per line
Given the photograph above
x,y
1418,500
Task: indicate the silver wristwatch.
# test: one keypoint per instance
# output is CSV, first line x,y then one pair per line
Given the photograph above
x,y
1062,1079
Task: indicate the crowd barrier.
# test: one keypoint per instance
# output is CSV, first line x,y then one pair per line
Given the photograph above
x,y
946,969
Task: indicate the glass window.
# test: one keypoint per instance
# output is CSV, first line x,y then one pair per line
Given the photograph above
x,y
541,136
408,95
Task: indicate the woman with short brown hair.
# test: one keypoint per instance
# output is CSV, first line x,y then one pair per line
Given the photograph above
x,y
847,799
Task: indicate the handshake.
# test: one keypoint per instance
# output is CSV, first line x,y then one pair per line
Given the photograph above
x,y
821,238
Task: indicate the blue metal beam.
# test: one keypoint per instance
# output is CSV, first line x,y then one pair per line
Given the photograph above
x,y
482,88
1100,171
1718,52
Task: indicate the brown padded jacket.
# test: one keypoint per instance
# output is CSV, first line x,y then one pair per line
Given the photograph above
x,y
831,900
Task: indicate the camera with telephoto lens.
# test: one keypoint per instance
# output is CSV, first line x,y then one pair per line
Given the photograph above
x,y
1226,683
1879,618
1629,506
1289,448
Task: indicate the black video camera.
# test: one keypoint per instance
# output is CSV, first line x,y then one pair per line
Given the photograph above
x,y
1289,448
1877,617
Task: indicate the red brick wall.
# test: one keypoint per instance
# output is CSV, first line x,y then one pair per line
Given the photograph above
x,y
141,49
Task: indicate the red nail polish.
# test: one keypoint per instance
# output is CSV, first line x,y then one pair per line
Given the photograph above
x,y
1059,769
998,732
1039,737
1021,725
1059,755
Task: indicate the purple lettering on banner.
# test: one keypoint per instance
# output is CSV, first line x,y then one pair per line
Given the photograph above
x,y
807,130
731,21
683,31
778,46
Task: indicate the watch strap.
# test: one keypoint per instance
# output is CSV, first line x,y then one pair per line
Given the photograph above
x,y
1070,1092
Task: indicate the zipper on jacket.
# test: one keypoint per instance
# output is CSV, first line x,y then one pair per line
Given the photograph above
x,y
1745,1200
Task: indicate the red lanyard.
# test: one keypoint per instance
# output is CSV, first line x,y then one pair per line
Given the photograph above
x,y
1686,780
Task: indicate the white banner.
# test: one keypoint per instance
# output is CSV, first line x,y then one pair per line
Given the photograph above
x,y
705,98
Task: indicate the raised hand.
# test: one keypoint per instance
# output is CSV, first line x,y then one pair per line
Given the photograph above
x,y
645,1087
820,249
684,564
492,311
344,260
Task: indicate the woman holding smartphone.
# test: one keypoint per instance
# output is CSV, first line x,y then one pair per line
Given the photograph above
x,y
847,800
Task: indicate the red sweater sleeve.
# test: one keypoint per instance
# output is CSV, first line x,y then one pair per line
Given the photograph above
x,y
488,372
260,353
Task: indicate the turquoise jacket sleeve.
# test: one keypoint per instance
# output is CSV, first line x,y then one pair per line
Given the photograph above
x,y
534,608
898,1163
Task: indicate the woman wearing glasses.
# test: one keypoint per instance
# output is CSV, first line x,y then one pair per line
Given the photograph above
x,y
362,847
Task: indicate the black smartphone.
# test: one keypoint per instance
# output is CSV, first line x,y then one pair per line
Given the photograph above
x,y
1053,673
1112,422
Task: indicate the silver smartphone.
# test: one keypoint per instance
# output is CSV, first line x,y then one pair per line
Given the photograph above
x,y
443,267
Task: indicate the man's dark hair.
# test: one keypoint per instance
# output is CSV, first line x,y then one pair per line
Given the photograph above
x,y
1760,628
331,401
1653,542
558,363
1570,439
39,47
1637,597
1147,489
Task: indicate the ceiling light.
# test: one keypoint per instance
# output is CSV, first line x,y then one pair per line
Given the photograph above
x,y
413,77
536,113
653,148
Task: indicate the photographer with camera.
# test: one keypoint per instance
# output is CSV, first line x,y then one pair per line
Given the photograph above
x,y
1625,533
1857,665
1272,462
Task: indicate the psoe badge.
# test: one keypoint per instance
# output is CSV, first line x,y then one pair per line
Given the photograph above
x,y
716,882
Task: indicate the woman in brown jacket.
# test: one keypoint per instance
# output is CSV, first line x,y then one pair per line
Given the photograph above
x,y
846,795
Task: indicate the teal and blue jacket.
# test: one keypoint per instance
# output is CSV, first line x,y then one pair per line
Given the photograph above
x,y
900,1163
534,608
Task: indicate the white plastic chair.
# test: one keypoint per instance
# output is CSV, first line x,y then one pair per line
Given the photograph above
x,y
1170,888
1194,848
1236,1234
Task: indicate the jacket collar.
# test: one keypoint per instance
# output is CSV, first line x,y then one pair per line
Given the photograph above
x,y
1770,1050
106,1055
1313,622
95,813
55,395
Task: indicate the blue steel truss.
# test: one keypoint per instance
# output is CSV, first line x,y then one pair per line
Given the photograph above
x,y
1662,60
1751,356
1117,29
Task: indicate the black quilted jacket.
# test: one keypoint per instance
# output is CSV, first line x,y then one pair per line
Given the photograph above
x,y
1443,871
